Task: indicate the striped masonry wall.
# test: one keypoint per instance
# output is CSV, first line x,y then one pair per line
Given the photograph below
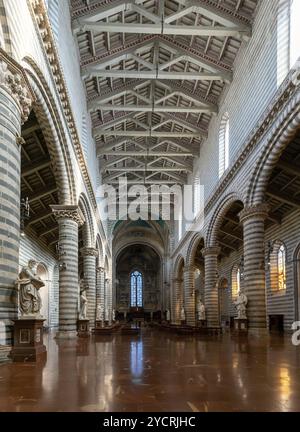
x,y
10,124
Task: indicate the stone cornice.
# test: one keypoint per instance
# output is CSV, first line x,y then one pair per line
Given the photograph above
x,y
68,212
13,78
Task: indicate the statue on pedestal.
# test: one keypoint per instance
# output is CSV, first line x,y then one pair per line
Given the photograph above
x,y
100,313
168,315
29,284
113,315
201,311
182,314
240,304
83,300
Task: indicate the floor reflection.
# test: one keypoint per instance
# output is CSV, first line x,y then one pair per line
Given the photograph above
x,y
156,371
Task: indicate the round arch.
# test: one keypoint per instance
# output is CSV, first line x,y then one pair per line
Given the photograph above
x,y
179,263
48,116
296,261
191,252
216,220
88,227
99,247
281,134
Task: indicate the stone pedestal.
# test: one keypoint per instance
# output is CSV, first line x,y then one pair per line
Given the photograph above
x,y
99,324
240,326
83,328
202,323
28,341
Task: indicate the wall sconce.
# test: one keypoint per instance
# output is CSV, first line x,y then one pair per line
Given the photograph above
x,y
24,214
62,266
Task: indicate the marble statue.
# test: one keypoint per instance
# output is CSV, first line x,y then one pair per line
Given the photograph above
x,y
83,300
240,304
182,314
201,311
29,284
168,315
106,315
113,315
100,313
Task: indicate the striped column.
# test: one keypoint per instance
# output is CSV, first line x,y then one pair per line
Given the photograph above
x,y
108,300
211,295
14,109
176,301
189,295
68,218
99,287
89,269
253,219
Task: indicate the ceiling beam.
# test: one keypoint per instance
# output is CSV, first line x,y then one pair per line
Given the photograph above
x,y
95,72
154,109
290,168
161,29
151,168
146,133
284,198
40,216
32,168
144,153
149,182
48,190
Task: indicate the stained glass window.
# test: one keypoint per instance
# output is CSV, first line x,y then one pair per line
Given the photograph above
x,y
136,281
281,268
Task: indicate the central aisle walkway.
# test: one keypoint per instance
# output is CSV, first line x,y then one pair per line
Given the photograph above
x,y
156,372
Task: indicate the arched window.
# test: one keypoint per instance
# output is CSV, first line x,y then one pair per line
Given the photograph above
x,y
235,281
277,266
288,37
224,145
281,267
136,289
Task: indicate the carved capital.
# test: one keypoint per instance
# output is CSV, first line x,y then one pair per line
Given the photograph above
x,y
189,269
68,212
100,269
89,251
177,281
211,250
14,80
256,211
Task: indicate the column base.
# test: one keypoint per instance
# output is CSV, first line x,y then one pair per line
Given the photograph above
x,y
66,334
258,332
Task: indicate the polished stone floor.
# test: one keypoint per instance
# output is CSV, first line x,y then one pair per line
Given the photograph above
x,y
157,371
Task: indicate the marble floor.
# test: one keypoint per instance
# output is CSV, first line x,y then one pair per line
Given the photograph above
x,y
157,371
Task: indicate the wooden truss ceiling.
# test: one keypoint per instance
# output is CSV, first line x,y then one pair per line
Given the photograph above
x,y
154,71
38,184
